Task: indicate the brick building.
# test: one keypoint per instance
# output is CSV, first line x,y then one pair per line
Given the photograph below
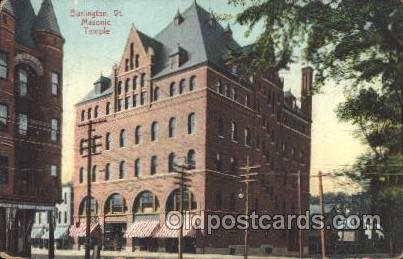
x,y
174,98
31,55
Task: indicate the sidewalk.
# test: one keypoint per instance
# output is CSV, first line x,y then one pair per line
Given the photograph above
x,y
124,254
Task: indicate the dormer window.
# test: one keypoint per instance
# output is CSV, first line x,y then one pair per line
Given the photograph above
x,y
177,57
178,18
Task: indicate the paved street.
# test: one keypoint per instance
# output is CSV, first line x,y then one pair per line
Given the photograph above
x,y
62,254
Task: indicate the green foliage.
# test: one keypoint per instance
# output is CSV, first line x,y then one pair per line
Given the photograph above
x,y
359,43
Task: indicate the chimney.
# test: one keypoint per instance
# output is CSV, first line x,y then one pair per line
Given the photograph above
x,y
307,91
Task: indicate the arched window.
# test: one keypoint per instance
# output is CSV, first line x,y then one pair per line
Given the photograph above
x,y
137,135
94,174
143,80
22,81
154,165
108,108
192,123
82,115
219,86
123,138
218,162
156,94
248,139
122,170
247,104
146,202
182,86
127,84
220,127
172,128
233,164
228,90
137,167
108,141
191,159
89,113
234,131
154,131
188,201
137,61
172,89
88,202
171,162
135,79
107,172
192,83
81,176
234,94
115,204
96,111
120,87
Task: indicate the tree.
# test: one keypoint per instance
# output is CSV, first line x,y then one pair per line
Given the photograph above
x,y
355,42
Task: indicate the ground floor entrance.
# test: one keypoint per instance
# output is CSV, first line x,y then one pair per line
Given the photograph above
x,y
113,236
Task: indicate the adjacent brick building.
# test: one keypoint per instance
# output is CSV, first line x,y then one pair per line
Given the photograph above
x,y
174,98
31,61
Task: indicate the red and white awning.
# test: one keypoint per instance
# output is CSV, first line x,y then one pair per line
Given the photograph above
x,y
142,229
166,232
80,231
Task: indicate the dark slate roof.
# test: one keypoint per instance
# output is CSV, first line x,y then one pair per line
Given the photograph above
x,y
149,42
5,5
92,95
46,19
202,41
25,17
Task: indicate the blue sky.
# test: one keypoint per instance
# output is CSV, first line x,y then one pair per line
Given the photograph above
x,y
87,56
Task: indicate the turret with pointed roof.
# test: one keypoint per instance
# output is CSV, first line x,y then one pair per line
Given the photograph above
x,y
46,19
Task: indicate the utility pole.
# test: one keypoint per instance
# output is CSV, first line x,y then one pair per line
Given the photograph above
x,y
322,212
182,182
300,241
91,151
246,178
51,245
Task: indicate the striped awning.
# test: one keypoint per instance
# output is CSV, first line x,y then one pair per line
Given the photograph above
x,y
81,229
142,229
166,232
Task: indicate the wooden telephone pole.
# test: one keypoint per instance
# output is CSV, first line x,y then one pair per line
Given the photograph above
x,y
91,151
247,179
322,212
182,181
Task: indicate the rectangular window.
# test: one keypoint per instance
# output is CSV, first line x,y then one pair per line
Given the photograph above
x,y
127,103
3,65
54,83
135,97
53,170
22,124
22,82
54,130
65,217
3,170
143,98
120,104
3,116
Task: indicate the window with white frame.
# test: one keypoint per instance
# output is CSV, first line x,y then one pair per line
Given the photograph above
x,y
3,65
22,82
3,116
53,170
22,124
54,77
54,130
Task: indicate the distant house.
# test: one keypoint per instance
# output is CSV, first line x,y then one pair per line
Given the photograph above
x,y
63,220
